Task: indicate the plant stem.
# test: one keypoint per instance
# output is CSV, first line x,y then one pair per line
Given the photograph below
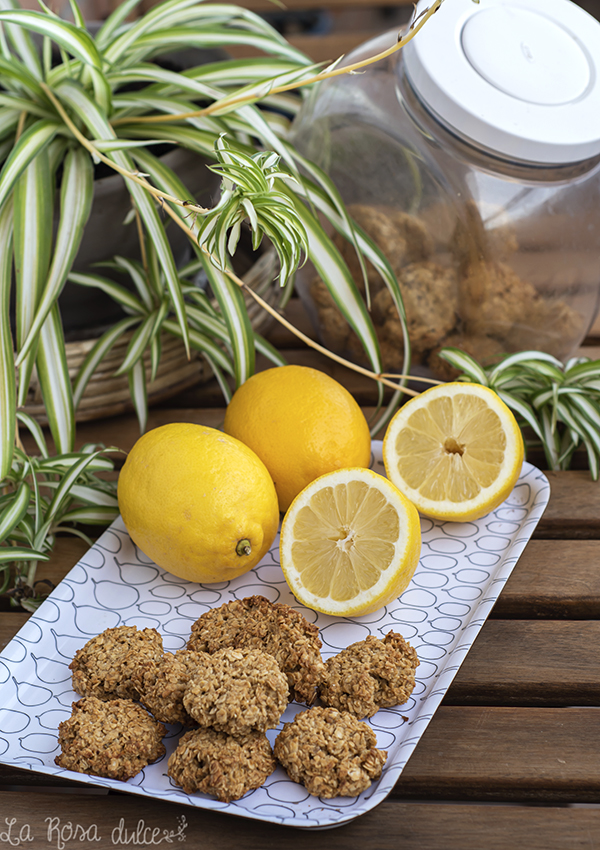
x,y
316,78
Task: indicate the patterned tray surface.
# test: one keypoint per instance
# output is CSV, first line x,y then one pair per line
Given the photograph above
x,y
462,570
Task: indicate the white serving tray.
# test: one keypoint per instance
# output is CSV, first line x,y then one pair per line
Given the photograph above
x,y
463,568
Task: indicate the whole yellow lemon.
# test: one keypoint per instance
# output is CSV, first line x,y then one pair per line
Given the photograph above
x,y
198,502
301,423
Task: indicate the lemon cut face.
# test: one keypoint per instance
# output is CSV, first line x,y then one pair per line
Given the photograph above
x,y
455,451
350,543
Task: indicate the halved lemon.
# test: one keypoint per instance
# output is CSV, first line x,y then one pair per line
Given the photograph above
x,y
455,451
350,543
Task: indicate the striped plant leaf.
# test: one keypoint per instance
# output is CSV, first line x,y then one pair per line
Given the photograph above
x,y
135,270
75,204
117,292
98,515
20,553
81,103
89,495
8,401
29,145
138,344
35,430
138,392
522,409
332,269
205,344
33,209
12,515
18,78
55,383
269,351
221,380
464,363
65,488
526,359
179,38
77,42
227,293
22,41
96,354
65,461
117,18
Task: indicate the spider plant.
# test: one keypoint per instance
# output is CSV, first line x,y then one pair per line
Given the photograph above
x,y
558,402
71,100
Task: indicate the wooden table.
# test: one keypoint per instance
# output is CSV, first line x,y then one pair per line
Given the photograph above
x,y
510,759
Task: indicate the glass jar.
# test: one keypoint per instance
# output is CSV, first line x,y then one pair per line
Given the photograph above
x,y
472,158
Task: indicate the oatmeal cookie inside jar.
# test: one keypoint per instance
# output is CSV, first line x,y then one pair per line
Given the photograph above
x,y
479,187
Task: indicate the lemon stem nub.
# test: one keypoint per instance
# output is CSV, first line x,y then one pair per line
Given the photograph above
x,y
243,547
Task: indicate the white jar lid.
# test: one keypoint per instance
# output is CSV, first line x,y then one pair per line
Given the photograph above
x,y
519,77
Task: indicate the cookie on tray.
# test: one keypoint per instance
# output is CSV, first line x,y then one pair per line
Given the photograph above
x,y
370,674
274,627
107,666
219,764
113,738
237,691
162,684
330,752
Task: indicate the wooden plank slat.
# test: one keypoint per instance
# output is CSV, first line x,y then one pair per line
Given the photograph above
x,y
553,578
412,826
531,662
574,507
506,754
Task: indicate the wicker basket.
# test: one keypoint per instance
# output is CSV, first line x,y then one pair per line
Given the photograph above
x,y
107,394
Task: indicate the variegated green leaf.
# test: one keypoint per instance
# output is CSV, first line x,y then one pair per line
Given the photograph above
x,y
55,383
75,204
35,430
77,42
204,343
12,515
99,515
96,354
89,495
64,488
117,292
8,422
33,209
138,344
63,462
334,272
464,363
117,18
22,41
20,553
30,144
233,309
138,392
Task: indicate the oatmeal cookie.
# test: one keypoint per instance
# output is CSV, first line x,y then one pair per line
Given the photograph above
x,y
220,765
369,675
236,691
274,627
162,685
115,738
106,667
330,752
